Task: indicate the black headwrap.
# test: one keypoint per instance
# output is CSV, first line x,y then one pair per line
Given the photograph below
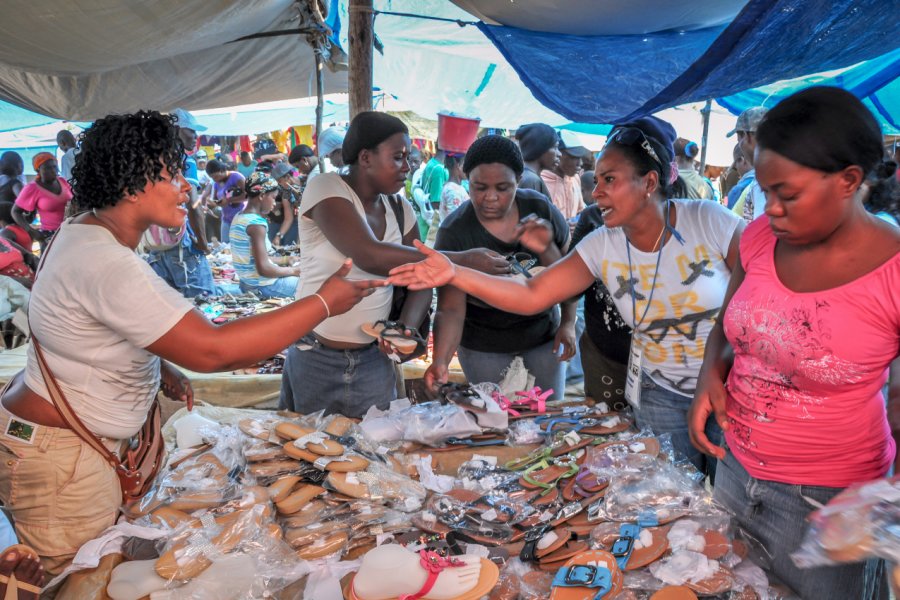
x,y
494,149
367,130
535,139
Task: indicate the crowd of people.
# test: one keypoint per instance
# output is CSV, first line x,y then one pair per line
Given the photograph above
x,y
726,316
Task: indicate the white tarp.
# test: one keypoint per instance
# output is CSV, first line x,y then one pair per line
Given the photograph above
x,y
603,17
82,60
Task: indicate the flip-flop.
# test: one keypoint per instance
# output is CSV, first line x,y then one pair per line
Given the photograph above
x,y
394,333
10,580
587,576
487,579
304,438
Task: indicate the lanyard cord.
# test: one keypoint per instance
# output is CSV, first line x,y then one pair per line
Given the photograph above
x,y
635,322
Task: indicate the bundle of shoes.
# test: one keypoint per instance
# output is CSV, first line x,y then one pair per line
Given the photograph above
x,y
266,492
860,523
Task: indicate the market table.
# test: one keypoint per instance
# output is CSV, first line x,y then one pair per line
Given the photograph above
x,y
222,389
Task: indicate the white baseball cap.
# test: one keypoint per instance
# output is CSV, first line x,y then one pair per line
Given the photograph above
x,y
185,119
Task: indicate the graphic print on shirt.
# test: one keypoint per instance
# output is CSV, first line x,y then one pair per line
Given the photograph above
x,y
677,320
784,351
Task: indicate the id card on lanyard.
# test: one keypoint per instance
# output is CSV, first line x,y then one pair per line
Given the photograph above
x,y
636,353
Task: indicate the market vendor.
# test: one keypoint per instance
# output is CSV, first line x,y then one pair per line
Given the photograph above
x,y
665,262
338,367
250,245
794,370
488,339
112,330
227,192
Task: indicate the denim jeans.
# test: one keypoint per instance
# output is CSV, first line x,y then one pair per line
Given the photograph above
x,y
184,270
574,367
540,361
345,382
287,239
774,514
226,229
665,411
284,287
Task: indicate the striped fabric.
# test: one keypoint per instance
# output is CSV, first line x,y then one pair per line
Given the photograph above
x,y
241,253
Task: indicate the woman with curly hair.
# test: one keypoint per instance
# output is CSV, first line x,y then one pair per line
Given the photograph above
x,y
111,329
250,245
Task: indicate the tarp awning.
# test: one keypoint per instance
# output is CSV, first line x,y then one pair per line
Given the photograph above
x,y
640,74
83,60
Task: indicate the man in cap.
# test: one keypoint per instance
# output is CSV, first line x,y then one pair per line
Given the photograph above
x,y
539,144
183,263
563,182
752,202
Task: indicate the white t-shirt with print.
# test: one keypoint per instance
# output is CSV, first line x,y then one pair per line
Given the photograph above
x,y
94,308
319,259
690,287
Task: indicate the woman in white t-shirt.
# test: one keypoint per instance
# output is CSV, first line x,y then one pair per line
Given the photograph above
x,y
665,262
111,329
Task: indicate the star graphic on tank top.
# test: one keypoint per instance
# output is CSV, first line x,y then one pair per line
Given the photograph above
x,y
698,269
626,286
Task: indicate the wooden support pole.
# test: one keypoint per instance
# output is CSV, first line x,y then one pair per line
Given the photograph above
x,y
361,38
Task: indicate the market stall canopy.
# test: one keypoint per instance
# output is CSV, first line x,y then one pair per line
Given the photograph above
x,y
603,77
603,17
82,60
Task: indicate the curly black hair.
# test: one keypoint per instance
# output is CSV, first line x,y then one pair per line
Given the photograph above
x,y
121,154
494,149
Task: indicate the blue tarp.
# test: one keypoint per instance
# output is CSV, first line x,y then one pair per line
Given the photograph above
x,y
875,81
641,74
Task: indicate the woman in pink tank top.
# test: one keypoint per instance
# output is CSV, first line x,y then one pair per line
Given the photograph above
x,y
795,368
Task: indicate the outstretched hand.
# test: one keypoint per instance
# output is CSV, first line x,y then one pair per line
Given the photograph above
x,y
341,294
434,271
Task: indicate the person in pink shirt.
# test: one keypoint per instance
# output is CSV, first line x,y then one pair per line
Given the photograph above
x,y
794,370
563,181
48,194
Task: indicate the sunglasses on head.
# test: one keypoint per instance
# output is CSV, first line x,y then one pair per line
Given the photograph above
x,y
632,136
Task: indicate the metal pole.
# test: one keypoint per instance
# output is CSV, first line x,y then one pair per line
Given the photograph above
x,y
320,99
705,112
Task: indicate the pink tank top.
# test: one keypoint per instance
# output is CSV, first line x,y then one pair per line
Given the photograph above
x,y
805,396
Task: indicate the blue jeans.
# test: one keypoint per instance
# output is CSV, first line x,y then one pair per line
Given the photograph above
x,y
540,361
774,514
345,382
284,287
665,411
575,368
184,270
287,239
226,229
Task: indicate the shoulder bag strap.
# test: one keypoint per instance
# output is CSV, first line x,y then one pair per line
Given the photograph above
x,y
56,394
397,206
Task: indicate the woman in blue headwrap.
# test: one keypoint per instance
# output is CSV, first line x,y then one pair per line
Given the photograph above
x,y
665,262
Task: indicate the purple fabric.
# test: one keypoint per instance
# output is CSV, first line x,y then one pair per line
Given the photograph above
x,y
229,211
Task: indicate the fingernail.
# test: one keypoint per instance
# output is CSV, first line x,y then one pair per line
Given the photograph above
x,y
10,556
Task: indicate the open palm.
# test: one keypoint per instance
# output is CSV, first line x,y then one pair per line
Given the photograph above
x,y
435,271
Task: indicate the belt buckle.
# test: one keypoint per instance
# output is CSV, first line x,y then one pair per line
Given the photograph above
x,y
623,546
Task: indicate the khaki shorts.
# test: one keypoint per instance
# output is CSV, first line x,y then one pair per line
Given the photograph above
x,y
60,491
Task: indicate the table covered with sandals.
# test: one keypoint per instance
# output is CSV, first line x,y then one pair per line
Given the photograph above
x,y
474,495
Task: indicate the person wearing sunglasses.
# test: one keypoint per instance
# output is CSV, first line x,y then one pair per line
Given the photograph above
x,y
666,264
497,216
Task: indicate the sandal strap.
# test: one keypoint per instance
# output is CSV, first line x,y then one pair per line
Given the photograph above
x,y
584,576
